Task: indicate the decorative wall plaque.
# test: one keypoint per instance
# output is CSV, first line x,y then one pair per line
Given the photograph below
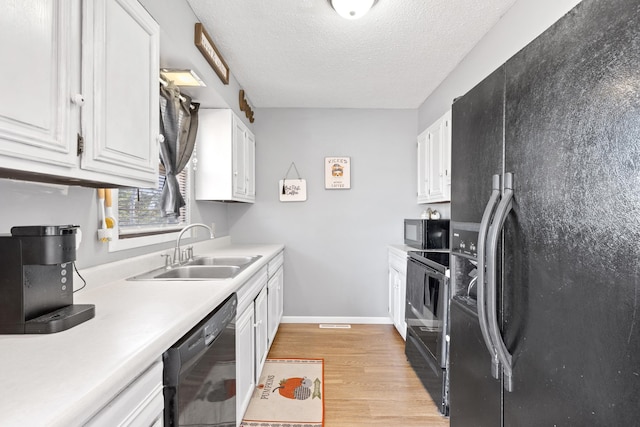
x,y
204,43
245,107
337,173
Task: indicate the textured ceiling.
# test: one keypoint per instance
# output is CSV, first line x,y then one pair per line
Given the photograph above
x,y
302,54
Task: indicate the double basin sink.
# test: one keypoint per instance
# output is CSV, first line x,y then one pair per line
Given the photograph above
x,y
202,268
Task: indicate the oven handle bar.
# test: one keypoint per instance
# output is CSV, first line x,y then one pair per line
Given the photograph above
x,y
505,206
480,282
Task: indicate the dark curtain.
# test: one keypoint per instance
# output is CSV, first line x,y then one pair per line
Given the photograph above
x,y
178,125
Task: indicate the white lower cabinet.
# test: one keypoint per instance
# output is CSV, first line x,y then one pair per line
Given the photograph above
x,y
140,404
245,354
275,294
262,339
257,321
398,289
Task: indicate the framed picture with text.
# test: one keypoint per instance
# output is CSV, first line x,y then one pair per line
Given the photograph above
x,y
337,173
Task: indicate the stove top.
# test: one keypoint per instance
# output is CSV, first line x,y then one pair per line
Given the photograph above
x,y
438,259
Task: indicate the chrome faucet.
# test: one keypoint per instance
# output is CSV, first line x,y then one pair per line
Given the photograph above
x,y
176,252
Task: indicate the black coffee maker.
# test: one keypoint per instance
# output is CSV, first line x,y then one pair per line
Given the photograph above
x,y
36,280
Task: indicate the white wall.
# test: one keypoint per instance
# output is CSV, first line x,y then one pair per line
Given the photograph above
x,y
526,20
336,242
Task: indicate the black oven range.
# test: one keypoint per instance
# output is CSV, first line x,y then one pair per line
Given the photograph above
x,y
427,314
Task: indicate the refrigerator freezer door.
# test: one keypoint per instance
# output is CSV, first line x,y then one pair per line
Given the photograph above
x,y
476,151
571,271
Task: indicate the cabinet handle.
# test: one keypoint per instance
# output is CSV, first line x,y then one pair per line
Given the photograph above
x,y
78,99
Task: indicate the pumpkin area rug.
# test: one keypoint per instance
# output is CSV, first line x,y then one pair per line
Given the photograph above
x,y
290,393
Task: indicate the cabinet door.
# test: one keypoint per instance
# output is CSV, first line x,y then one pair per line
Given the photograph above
x,y
434,162
445,165
401,319
423,181
239,159
261,313
250,160
36,124
398,291
245,367
397,300
393,283
120,118
275,303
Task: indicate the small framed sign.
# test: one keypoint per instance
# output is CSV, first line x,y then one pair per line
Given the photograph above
x,y
292,190
337,173
205,45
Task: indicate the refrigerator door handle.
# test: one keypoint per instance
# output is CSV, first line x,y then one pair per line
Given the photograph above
x,y
505,206
480,282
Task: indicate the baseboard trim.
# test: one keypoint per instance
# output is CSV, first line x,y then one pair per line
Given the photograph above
x,y
352,320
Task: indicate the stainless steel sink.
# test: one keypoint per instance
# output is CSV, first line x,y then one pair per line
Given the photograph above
x,y
224,260
202,268
200,272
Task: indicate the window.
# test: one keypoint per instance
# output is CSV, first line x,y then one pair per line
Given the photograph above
x,y
139,211
139,219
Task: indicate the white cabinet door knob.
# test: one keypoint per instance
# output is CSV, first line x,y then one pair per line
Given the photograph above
x,y
78,99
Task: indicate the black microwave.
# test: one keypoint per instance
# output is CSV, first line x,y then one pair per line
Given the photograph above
x,y
426,233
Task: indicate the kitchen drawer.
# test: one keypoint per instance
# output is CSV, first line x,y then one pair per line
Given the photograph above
x,y
141,403
248,292
275,263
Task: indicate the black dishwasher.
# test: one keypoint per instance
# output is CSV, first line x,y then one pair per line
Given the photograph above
x,y
200,372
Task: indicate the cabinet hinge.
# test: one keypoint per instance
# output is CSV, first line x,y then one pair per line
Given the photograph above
x,y
80,144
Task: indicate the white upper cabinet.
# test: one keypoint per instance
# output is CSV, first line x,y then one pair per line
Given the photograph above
x,y
36,85
120,119
80,100
434,162
225,158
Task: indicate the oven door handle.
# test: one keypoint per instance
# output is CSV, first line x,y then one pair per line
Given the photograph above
x,y
505,206
480,281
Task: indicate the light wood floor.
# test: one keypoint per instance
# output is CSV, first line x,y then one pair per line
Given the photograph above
x,y
368,381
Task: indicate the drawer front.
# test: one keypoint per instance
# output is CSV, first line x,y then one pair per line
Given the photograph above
x,y
275,263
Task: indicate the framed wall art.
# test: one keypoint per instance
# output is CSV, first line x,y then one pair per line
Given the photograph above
x,y
205,45
292,190
337,173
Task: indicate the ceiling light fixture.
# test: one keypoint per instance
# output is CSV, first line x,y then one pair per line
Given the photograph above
x,y
182,77
352,9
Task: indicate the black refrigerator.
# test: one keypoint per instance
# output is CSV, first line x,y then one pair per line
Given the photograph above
x,y
545,220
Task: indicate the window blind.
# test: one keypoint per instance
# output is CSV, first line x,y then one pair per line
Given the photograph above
x,y
139,209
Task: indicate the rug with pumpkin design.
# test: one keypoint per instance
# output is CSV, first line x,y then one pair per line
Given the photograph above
x,y
290,393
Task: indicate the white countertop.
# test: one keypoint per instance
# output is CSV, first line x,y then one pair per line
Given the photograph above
x,y
63,379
